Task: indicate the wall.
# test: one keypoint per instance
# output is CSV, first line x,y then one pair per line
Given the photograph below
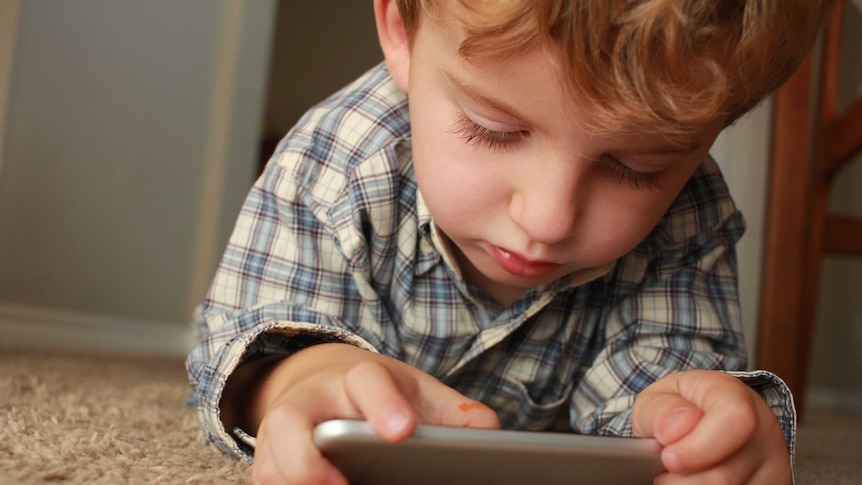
x,y
131,139
835,378
8,34
315,54
742,152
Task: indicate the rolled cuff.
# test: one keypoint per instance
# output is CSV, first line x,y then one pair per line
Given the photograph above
x,y
270,338
779,398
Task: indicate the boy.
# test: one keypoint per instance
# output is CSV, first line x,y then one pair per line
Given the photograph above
x,y
538,238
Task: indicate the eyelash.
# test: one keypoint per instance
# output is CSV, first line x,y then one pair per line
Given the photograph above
x,y
477,135
636,179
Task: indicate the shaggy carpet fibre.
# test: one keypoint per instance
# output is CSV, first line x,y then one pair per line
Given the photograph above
x,y
100,419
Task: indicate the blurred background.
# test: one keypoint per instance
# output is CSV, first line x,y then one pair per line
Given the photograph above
x,y
131,131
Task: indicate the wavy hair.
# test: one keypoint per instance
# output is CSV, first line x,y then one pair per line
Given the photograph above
x,y
663,65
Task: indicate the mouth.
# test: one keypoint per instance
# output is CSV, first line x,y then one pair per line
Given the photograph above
x,y
519,265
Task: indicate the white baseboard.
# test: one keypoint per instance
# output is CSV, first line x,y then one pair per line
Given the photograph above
x,y
834,400
24,326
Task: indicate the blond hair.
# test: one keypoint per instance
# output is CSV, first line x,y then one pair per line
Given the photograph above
x,y
663,65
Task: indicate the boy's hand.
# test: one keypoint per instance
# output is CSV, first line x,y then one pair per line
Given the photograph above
x,y
714,429
331,381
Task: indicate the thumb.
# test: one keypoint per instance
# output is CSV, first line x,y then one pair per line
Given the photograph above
x,y
664,415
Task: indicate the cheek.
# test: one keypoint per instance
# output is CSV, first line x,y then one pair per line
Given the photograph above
x,y
454,186
452,176
637,212
621,220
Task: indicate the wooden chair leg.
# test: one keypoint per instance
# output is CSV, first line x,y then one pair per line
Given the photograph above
x,y
785,333
799,229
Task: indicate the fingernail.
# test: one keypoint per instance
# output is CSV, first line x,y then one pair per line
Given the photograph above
x,y
677,424
671,460
397,421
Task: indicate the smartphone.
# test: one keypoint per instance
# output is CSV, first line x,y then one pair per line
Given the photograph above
x,y
441,455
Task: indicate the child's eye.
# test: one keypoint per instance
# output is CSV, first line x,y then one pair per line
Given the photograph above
x,y
476,135
635,178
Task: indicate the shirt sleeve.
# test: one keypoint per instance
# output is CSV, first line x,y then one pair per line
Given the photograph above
x,y
674,307
283,284
310,253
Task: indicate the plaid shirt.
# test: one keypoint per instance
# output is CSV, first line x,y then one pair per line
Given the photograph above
x,y
334,243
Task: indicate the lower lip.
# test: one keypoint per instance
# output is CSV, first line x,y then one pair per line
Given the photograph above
x,y
519,266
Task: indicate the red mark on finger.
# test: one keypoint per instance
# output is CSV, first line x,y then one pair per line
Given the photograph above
x,y
469,406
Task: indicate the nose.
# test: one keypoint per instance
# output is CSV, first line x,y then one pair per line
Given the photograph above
x,y
546,203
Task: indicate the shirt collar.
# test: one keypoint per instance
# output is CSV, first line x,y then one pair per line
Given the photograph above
x,y
584,276
435,236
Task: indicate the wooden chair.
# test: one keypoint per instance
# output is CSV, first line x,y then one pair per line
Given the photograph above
x,y
811,142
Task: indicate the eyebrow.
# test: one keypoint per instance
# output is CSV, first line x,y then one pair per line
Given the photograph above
x,y
673,148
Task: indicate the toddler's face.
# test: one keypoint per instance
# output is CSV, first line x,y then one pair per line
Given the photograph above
x,y
523,193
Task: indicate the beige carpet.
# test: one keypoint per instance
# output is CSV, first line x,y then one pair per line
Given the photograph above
x,y
102,420
116,420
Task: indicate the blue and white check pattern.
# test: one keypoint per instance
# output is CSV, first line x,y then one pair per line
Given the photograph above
x,y
334,243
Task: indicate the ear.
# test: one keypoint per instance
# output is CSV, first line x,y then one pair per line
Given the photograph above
x,y
393,41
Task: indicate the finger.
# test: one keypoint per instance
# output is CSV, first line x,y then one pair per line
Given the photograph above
x,y
763,460
395,397
742,468
737,470
442,405
383,399
454,409
664,415
728,423
286,454
714,476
